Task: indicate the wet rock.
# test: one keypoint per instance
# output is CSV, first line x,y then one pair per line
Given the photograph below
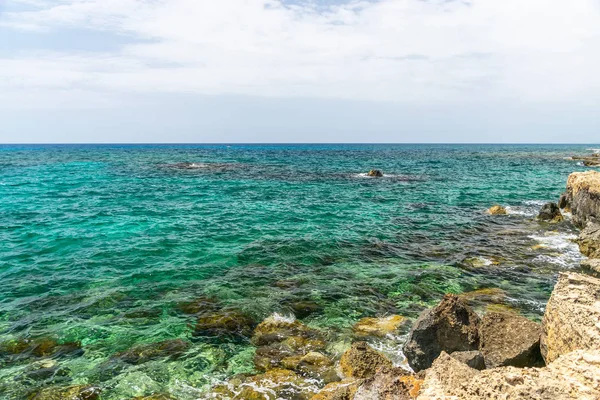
x,y
583,197
571,318
77,392
172,349
379,327
313,365
197,306
497,210
343,390
277,328
45,370
375,173
362,361
390,384
563,202
159,396
573,376
450,326
589,240
473,359
21,349
303,309
484,296
510,339
550,212
591,266
224,325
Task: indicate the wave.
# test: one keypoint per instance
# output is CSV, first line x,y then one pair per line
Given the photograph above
x,y
595,151
567,251
529,208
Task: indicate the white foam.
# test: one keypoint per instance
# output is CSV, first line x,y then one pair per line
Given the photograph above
x,y
276,317
596,151
567,255
530,208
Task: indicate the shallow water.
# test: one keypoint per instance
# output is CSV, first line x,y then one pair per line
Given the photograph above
x,y
101,246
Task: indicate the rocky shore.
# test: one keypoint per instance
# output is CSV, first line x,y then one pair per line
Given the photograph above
x,y
451,351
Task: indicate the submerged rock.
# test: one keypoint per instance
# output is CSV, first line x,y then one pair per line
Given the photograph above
x,y
497,210
573,376
362,361
450,326
473,359
379,327
158,396
571,318
583,197
22,349
390,384
224,325
172,349
589,240
510,339
550,212
343,390
375,173
76,392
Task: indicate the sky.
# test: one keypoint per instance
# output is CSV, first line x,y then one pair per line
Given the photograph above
x,y
217,71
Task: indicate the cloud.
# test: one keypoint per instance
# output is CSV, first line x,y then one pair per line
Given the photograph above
x,y
412,51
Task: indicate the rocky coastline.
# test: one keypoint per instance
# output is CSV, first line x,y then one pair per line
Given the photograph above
x,y
451,351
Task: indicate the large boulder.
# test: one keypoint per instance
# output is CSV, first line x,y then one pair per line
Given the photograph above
x,y
362,361
572,316
509,339
550,212
390,384
450,326
573,376
583,197
589,240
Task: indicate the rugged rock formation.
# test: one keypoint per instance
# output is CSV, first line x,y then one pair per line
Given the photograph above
x,y
450,326
473,359
550,212
510,339
589,240
573,376
591,266
592,160
375,173
380,327
497,210
571,321
390,384
362,361
583,197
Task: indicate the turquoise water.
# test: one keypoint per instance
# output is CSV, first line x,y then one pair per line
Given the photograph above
x,y
104,245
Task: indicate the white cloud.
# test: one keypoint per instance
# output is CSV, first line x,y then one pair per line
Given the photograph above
x,y
393,50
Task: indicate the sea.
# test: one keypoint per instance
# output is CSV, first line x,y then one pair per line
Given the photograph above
x,y
103,246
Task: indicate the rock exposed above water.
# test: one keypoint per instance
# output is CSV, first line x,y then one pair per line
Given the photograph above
x,y
450,326
380,327
510,339
362,361
375,173
473,359
497,210
390,384
589,240
343,390
583,197
550,212
591,266
571,321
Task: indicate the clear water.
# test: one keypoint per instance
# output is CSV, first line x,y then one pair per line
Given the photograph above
x,y
102,244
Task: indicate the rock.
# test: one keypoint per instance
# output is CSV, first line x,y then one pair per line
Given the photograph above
x,y
583,197
473,359
550,212
483,296
197,306
589,240
497,210
272,385
159,396
591,266
277,328
343,390
379,327
450,326
224,325
172,349
303,309
22,349
46,369
362,361
76,392
573,376
313,365
390,384
563,201
510,339
571,318
375,173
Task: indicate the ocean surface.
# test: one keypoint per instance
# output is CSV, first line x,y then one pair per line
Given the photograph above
x,y
105,247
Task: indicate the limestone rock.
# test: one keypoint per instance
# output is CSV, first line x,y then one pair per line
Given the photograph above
x,y
380,327
591,266
510,339
390,384
343,390
550,212
473,359
583,197
497,210
589,240
572,316
450,326
362,361
573,376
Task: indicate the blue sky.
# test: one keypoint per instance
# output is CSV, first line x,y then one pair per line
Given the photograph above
x,y
299,71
